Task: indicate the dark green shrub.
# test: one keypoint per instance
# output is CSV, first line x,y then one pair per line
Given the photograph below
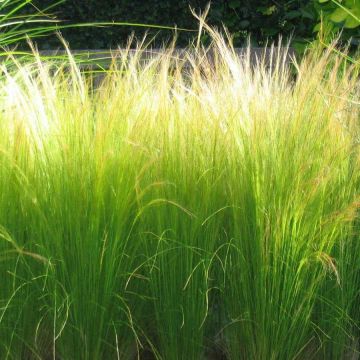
x,y
263,19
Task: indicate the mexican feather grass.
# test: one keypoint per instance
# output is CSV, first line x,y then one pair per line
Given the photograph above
x,y
187,207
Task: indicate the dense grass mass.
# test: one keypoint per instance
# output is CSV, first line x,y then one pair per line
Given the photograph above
x,y
188,208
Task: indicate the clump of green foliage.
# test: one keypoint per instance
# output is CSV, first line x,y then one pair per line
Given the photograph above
x,y
341,13
262,19
185,205
341,16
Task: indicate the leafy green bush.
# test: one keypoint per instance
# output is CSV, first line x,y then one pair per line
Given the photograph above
x,y
262,19
340,15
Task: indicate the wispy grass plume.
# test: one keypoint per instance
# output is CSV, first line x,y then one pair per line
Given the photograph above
x,y
189,205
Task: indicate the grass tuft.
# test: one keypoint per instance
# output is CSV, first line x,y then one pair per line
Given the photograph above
x,y
188,206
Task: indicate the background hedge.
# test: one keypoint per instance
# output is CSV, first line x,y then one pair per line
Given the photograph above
x,y
263,19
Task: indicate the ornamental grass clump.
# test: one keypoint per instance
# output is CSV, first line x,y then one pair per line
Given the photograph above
x,y
187,207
